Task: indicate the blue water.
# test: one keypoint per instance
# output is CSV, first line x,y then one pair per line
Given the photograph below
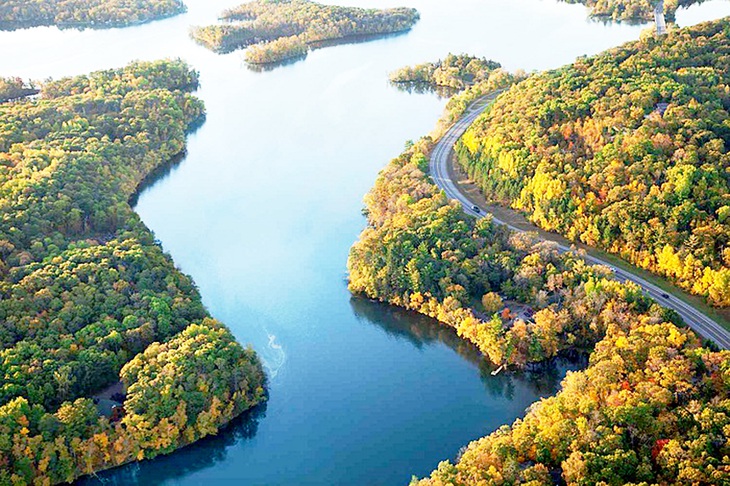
x,y
262,213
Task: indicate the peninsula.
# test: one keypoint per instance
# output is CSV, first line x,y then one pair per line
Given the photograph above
x,y
650,406
632,10
108,355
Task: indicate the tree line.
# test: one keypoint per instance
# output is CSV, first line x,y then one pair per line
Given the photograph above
x,y
625,151
17,14
285,29
88,298
651,408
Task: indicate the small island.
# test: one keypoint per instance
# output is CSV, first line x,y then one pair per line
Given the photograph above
x,y
82,14
287,29
14,88
456,72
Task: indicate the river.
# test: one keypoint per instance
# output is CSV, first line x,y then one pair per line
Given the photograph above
x,y
262,213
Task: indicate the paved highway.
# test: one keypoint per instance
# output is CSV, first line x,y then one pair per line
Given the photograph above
x,y
440,158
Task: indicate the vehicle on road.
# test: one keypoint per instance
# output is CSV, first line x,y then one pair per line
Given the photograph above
x,y
665,295
476,209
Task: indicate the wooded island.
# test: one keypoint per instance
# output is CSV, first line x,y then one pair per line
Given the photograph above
x,y
98,14
286,29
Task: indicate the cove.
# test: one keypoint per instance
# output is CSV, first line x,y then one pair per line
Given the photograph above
x,y
262,212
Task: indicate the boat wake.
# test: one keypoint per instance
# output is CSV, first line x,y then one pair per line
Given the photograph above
x,y
275,358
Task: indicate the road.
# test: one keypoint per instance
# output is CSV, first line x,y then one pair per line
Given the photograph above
x,y
440,157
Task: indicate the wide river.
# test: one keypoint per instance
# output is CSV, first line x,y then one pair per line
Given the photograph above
x,y
262,213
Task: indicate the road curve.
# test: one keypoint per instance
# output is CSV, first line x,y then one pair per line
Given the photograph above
x,y
440,157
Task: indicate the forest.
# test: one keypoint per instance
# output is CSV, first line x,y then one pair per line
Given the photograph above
x,y
286,29
18,14
88,298
632,10
454,71
514,296
625,151
652,406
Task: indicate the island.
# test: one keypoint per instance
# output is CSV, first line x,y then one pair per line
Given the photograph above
x,y
14,88
456,72
81,14
651,407
632,10
108,354
287,29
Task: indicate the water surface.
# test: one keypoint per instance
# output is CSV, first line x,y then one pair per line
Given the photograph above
x,y
262,213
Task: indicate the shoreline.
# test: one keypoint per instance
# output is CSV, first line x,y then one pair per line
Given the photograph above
x,y
11,26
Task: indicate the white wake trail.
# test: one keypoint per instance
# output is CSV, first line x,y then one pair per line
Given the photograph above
x,y
274,360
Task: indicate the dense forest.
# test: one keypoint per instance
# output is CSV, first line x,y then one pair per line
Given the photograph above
x,y
16,14
513,295
636,10
454,71
278,30
88,299
651,408
625,151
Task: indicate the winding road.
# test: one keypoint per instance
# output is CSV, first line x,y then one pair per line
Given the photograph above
x,y
439,164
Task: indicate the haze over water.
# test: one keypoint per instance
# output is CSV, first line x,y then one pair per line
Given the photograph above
x,y
262,213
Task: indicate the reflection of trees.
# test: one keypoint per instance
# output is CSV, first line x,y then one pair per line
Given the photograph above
x,y
354,39
163,170
159,173
200,455
270,66
423,88
607,20
422,331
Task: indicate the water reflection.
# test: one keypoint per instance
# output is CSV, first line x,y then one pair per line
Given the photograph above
x,y
424,88
159,173
196,457
355,39
264,68
422,331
